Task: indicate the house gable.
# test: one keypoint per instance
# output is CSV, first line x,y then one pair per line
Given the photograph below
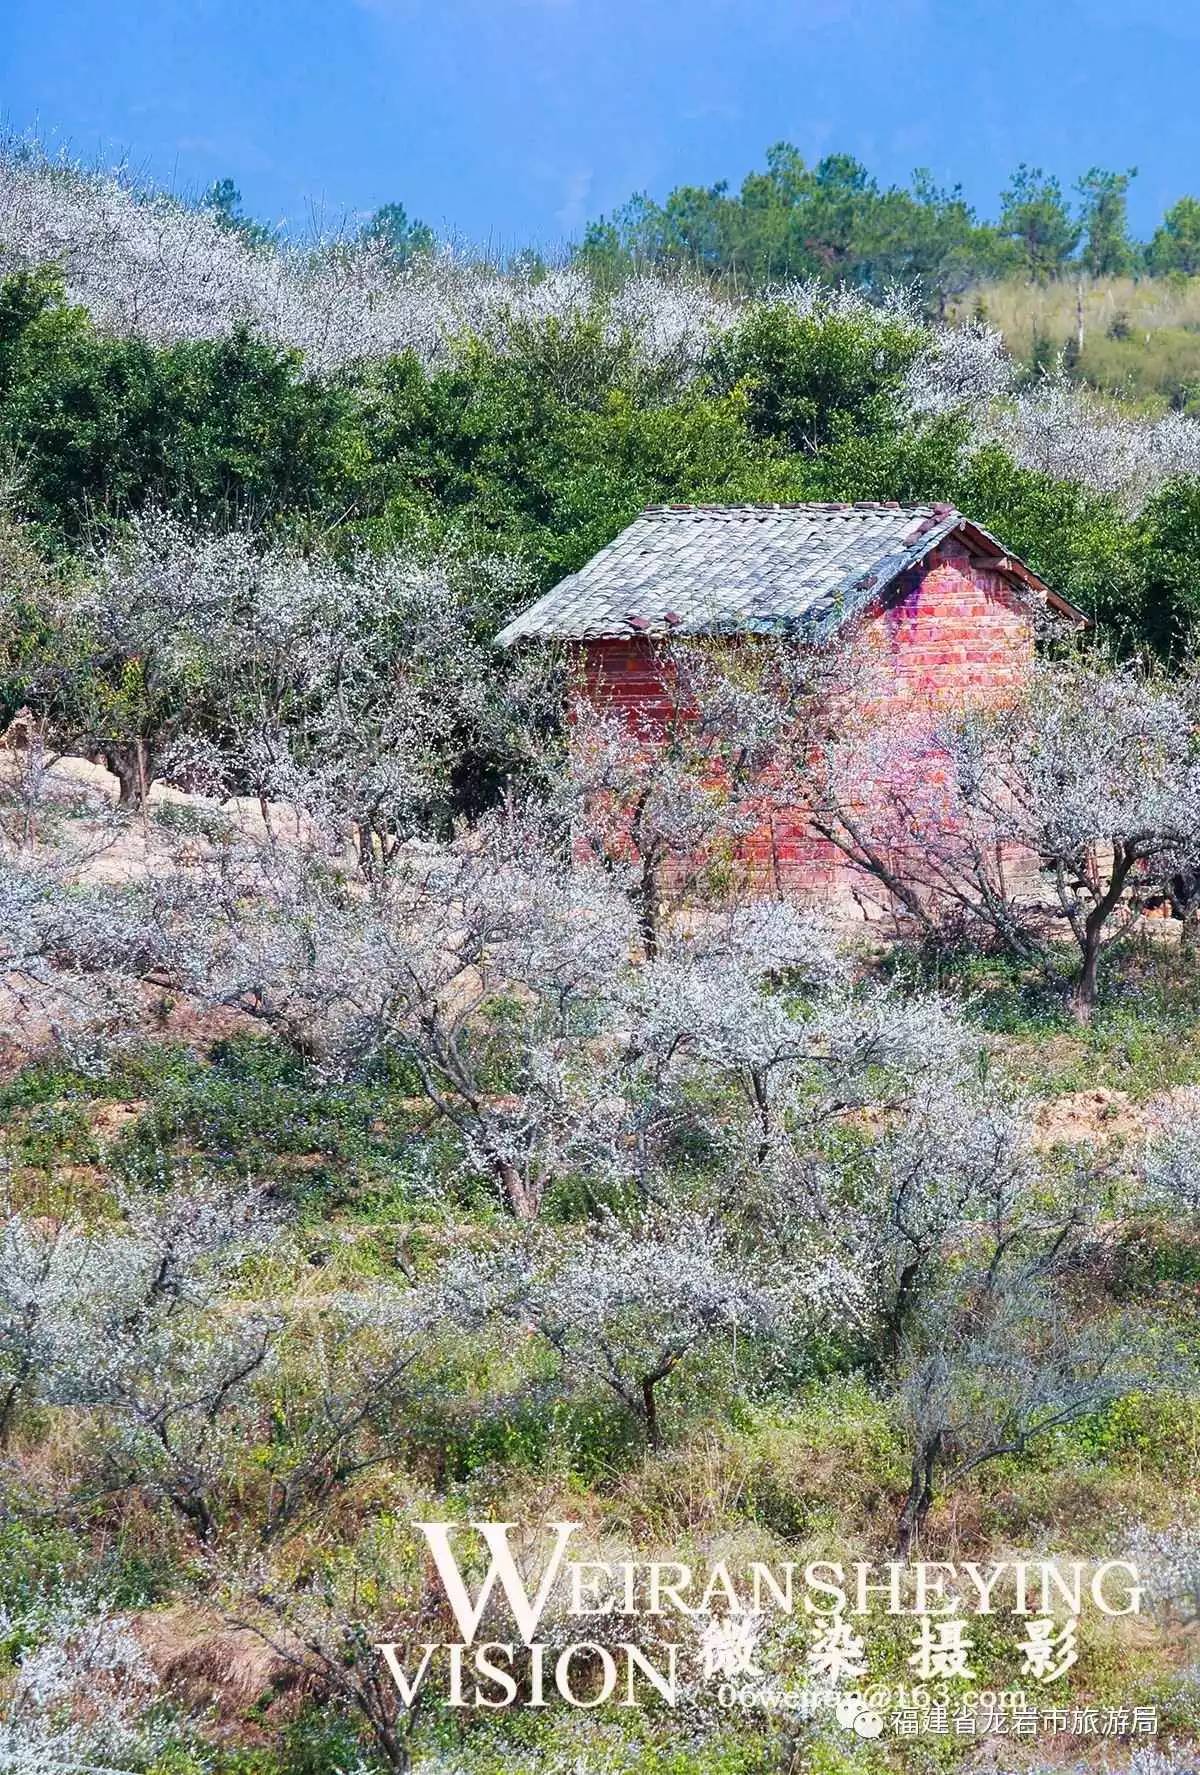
x,y
953,629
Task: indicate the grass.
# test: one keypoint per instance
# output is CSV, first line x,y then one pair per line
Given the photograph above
x,y
807,1464
1144,1038
1141,337
246,1107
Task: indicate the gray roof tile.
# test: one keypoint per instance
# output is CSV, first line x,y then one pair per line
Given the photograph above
x,y
739,568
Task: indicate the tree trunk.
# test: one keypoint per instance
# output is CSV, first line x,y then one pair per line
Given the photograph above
x,y
917,1503
126,773
897,1317
8,1408
392,1740
131,767
1189,927
647,910
1083,993
650,1413
1083,996
762,1099
523,1199
194,1508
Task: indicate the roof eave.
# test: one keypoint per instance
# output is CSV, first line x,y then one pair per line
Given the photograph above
x,y
851,598
1012,567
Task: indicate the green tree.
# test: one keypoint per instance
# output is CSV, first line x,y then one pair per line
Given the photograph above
x,y
1176,243
551,445
222,428
1078,541
224,201
1168,548
813,380
1107,248
830,221
930,237
1035,217
402,234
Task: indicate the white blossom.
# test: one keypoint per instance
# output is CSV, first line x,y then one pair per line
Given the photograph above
x,y
1079,790
1070,434
1172,1154
74,1701
626,1304
1168,1567
963,368
148,265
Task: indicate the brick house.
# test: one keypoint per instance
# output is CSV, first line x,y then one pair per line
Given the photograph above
x,y
948,614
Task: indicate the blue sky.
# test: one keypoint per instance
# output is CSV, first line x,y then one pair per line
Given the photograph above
x,y
506,121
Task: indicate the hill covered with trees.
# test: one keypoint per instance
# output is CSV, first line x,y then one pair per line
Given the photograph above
x,y
1057,271
152,353
382,1146
834,221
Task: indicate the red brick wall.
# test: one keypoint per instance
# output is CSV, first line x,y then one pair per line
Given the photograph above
x,y
623,675
955,630
952,632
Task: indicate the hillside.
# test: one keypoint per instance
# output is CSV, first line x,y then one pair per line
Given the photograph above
x,y
1055,270
418,1123
1141,338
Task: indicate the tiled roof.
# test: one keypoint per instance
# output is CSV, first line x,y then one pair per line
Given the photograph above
x,y
745,568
